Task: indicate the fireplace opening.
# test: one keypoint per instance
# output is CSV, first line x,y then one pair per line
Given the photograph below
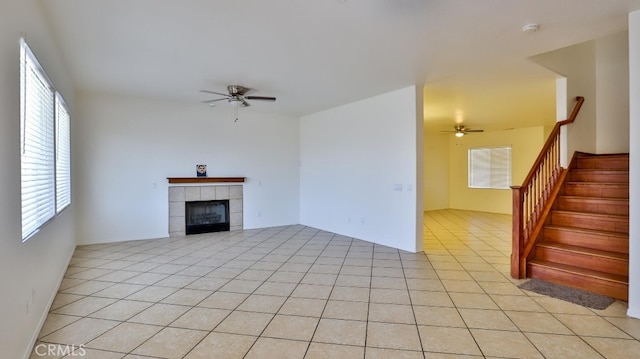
x,y
206,216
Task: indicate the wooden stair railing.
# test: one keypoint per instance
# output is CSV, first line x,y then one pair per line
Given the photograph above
x,y
530,201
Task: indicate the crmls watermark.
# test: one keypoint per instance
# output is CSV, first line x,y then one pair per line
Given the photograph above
x,y
60,350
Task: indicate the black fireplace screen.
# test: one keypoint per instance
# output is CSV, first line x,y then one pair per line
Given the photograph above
x,y
207,216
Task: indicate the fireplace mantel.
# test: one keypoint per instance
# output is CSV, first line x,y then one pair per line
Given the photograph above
x,y
205,179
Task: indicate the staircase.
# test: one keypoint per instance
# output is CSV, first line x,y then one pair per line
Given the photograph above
x,y
585,240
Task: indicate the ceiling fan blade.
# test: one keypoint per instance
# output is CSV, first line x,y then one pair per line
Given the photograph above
x,y
215,93
260,98
244,90
473,130
216,100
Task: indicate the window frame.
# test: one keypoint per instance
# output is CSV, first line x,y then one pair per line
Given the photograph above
x,y
491,166
62,154
45,146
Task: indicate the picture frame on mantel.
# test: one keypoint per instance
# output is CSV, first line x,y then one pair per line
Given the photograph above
x,y
201,170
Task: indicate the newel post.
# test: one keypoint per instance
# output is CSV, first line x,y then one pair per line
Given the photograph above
x,y
516,233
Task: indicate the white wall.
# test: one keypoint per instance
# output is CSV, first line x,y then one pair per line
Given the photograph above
x,y
634,173
436,170
418,150
359,170
577,64
31,272
612,98
599,71
561,115
127,147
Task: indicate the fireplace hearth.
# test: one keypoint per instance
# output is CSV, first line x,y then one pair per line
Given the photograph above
x,y
206,216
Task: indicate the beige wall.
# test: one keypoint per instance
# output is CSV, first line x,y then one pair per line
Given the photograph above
x,y
525,144
436,170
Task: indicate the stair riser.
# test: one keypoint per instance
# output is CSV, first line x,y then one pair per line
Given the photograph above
x,y
616,163
620,225
593,206
596,190
600,286
587,240
600,177
581,260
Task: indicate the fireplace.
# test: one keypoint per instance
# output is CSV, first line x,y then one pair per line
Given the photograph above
x,y
206,216
179,195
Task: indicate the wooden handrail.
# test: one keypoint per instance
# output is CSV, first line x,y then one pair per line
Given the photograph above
x,y
551,138
530,200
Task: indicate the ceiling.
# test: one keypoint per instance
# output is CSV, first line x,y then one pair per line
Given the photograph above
x,y
471,55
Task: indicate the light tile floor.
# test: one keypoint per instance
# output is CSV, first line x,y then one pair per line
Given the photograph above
x,y
297,292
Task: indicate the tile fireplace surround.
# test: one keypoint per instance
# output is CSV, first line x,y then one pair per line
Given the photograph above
x,y
178,195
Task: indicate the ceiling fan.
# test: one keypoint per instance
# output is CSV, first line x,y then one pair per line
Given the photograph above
x,y
461,130
236,94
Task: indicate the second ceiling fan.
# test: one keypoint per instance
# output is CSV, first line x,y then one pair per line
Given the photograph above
x,y
461,130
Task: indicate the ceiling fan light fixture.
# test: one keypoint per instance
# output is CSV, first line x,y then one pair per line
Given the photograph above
x,y
459,133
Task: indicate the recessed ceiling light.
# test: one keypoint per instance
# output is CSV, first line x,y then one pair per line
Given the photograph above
x,y
530,28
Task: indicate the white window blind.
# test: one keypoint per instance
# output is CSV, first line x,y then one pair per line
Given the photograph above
x,y
490,167
40,129
63,155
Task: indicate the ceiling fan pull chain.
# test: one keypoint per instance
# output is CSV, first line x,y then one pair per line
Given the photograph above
x,y
237,105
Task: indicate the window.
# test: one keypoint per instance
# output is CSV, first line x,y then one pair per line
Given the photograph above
x,y
45,146
490,167
63,155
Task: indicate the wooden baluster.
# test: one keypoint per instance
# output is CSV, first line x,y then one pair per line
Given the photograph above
x,y
536,195
543,182
527,212
547,176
